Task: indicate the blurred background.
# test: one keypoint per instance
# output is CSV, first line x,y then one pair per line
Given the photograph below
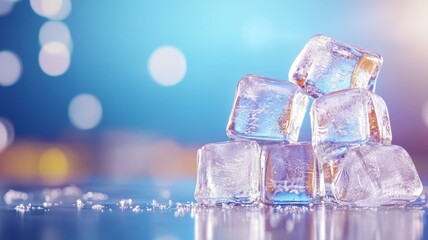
x,y
130,89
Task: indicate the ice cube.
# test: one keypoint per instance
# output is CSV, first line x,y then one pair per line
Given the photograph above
x,y
373,175
348,117
327,65
228,172
267,109
289,173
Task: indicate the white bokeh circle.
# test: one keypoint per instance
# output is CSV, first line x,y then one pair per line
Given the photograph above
x,y
10,68
54,58
85,111
52,9
55,31
167,65
7,133
6,6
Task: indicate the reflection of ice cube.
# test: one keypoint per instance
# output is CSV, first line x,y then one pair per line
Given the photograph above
x,y
289,173
407,224
327,65
267,109
361,223
228,172
374,175
233,223
287,222
320,222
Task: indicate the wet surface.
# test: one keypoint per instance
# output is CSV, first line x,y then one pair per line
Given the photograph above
x,y
166,210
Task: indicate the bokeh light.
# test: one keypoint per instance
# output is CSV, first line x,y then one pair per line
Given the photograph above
x,y
10,68
7,133
165,194
63,12
167,65
55,31
52,9
53,166
85,111
6,7
130,154
54,58
425,113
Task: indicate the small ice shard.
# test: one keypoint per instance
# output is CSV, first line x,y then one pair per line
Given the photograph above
x,y
267,109
136,209
79,204
374,175
47,204
98,207
228,172
125,203
21,208
327,65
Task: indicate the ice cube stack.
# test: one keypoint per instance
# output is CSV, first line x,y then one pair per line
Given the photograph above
x,y
350,160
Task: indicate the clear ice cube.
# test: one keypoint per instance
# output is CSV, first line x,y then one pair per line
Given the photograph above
x,y
373,175
327,65
289,174
348,117
267,109
228,172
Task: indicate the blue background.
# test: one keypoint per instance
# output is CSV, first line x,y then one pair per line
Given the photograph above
x,y
221,41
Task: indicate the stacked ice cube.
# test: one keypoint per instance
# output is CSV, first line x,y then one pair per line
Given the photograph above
x,y
350,160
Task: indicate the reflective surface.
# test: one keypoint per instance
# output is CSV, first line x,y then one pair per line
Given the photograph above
x,y
143,210
310,223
